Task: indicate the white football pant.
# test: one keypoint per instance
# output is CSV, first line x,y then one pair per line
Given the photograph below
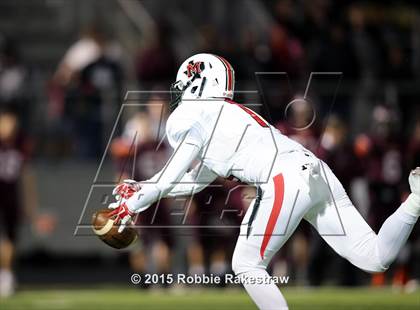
x,y
302,186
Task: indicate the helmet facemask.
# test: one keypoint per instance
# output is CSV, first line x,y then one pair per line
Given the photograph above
x,y
178,88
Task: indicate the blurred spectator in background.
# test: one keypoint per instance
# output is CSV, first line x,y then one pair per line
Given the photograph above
x,y
364,45
14,80
335,53
155,63
83,52
287,54
87,49
86,91
382,161
336,148
94,105
397,72
17,187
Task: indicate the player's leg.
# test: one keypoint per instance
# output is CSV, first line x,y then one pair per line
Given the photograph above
x,y
345,230
195,257
9,220
281,208
6,275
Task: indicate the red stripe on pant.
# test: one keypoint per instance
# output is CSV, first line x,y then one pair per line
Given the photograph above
x,y
275,211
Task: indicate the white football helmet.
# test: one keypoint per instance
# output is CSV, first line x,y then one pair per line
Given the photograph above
x,y
203,76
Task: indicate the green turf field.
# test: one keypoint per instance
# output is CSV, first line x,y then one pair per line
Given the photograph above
x,y
202,299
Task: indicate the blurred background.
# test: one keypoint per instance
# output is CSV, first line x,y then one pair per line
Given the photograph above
x,y
66,67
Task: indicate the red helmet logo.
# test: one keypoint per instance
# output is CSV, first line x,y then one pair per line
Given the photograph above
x,y
194,68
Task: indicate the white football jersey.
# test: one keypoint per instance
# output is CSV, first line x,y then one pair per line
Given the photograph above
x,y
233,140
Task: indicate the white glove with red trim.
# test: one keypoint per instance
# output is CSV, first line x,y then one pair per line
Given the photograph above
x,y
123,216
122,193
126,189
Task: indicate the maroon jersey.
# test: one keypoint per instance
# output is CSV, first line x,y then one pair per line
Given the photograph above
x,y
12,156
382,163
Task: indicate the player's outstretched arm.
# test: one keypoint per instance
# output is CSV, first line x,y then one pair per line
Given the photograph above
x,y
193,182
173,172
176,167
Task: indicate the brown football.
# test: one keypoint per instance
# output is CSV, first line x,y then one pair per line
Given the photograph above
x,y
103,226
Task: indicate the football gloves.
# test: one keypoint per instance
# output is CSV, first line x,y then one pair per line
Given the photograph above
x,y
123,216
126,189
122,192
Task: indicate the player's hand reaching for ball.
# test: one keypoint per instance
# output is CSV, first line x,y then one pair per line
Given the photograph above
x,y
126,189
122,192
121,215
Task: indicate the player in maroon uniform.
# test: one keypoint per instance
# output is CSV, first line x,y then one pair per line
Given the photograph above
x,y
14,170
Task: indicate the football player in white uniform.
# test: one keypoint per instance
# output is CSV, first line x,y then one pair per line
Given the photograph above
x,y
228,139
